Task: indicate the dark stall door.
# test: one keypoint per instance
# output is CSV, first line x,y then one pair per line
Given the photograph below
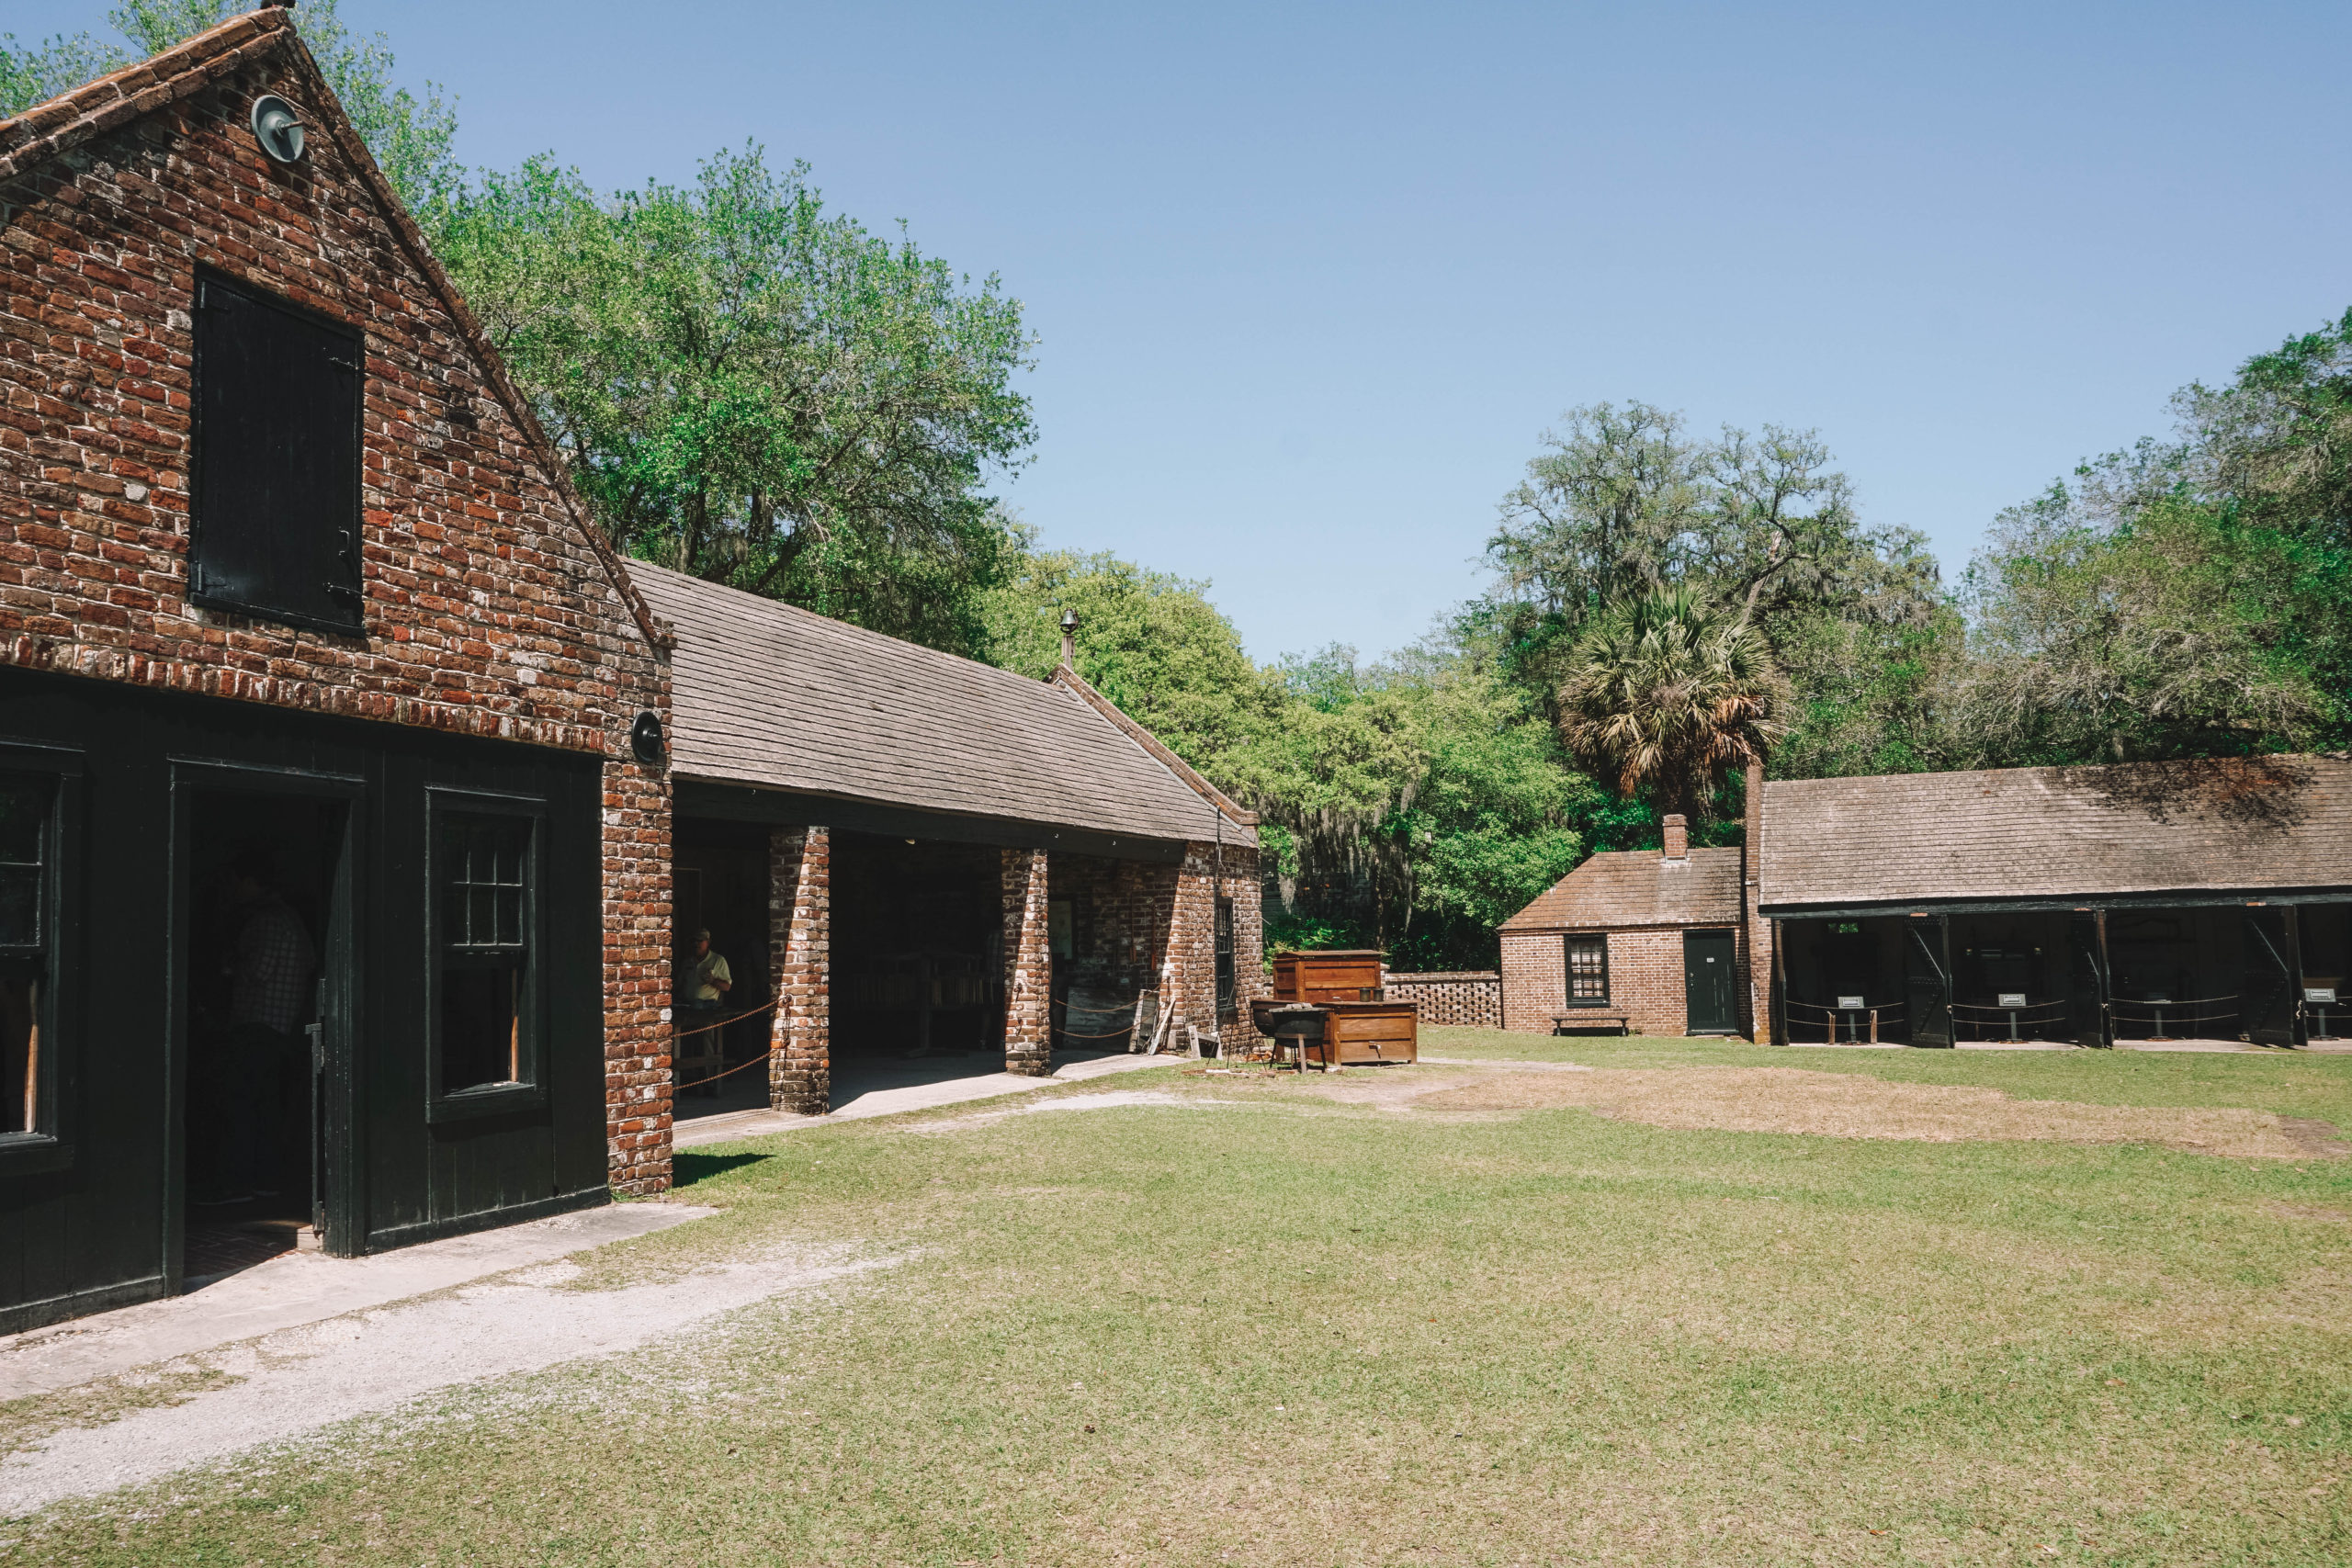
x,y
1928,974
2268,995
1710,983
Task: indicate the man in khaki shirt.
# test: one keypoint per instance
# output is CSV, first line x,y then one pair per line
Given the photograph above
x,y
709,980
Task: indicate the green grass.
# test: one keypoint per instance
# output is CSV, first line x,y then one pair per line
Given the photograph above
x,y
1294,1330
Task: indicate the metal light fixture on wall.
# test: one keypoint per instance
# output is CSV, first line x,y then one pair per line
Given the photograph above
x,y
277,128
645,739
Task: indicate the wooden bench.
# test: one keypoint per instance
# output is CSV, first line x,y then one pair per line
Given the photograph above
x,y
1591,1018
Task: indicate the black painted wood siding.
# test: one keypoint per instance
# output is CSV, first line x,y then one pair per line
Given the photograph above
x,y
96,1219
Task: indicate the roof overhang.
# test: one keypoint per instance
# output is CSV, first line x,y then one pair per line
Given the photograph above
x,y
729,801
2177,898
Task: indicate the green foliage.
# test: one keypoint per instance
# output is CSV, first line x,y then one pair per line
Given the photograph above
x,y
1153,644
1670,693
757,391
410,137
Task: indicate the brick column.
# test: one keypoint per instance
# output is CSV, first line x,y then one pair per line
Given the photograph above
x,y
1028,966
800,936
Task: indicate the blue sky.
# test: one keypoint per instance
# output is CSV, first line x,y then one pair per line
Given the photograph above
x,y
1310,281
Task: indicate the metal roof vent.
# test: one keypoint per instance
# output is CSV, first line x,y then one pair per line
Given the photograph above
x,y
277,128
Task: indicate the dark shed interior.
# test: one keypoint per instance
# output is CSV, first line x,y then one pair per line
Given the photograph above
x,y
918,948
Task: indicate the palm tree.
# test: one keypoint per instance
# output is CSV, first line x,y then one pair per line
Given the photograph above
x,y
1668,692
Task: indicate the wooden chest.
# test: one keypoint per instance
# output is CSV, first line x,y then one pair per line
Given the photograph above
x,y
1340,976
1370,1032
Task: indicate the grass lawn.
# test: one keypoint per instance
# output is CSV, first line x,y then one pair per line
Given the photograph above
x,y
1308,1322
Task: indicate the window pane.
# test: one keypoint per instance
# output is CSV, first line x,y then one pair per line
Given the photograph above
x,y
481,919
510,915
480,1026
20,1063
24,813
19,907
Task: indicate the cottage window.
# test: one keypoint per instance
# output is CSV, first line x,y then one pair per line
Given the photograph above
x,y
273,526
486,1019
1225,986
26,1060
1587,971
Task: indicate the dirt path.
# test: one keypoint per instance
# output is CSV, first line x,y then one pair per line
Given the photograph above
x,y
1851,1105
298,1381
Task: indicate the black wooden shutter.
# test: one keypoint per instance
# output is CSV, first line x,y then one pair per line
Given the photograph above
x,y
274,529
1928,973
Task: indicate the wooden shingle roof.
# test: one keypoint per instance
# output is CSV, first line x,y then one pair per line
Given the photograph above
x,y
777,697
2058,833
1638,887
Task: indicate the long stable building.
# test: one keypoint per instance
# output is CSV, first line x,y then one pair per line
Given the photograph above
x,y
2195,899
336,748
2205,899
919,851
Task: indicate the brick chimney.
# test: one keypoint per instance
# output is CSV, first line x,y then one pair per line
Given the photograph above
x,y
1678,837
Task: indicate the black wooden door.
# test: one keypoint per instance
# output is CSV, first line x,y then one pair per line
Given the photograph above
x,y
275,530
2087,991
1710,983
2269,987
1928,973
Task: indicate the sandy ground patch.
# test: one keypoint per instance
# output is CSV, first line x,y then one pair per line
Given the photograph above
x,y
1853,1105
298,1381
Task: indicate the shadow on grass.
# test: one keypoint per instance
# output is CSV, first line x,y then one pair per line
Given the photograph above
x,y
687,1167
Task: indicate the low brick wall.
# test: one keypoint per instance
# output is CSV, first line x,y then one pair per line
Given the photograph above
x,y
1471,999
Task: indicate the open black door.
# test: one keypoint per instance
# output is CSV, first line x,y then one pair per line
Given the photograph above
x,y
2088,988
2271,986
1928,966
1777,1001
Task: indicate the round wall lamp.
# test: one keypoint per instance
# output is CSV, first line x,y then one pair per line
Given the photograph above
x,y
645,739
277,128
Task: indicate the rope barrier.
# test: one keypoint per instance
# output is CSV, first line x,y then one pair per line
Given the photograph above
x,y
730,1072
2184,1002
1115,1034
676,1033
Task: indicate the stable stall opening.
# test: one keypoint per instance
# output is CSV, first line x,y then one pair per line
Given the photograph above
x,y
1845,982
917,953
719,883
2326,931
261,872
2178,974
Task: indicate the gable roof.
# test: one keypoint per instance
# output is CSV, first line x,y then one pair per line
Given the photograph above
x,y
774,696
1638,887
50,129
2058,833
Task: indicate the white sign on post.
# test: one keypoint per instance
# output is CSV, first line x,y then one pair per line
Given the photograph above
x,y
2323,995
1849,1004
2013,998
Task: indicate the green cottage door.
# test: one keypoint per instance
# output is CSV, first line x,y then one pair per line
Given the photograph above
x,y
1710,983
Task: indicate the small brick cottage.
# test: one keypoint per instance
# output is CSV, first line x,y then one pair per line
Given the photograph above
x,y
303,633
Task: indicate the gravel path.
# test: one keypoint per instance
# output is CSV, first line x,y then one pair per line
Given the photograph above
x,y
298,1381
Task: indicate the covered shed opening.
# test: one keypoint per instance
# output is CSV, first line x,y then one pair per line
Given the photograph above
x,y
917,950
719,878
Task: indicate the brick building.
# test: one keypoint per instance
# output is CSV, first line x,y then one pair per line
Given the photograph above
x,y
2201,899
338,809
1655,937
331,890
906,850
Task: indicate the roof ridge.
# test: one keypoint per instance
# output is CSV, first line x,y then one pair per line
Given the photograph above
x,y
65,122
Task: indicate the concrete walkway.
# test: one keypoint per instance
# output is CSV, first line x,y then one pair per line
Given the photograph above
x,y
303,1288
730,1126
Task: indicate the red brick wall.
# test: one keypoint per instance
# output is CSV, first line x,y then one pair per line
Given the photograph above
x,y
800,917
1189,973
489,611
1469,999
1646,979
